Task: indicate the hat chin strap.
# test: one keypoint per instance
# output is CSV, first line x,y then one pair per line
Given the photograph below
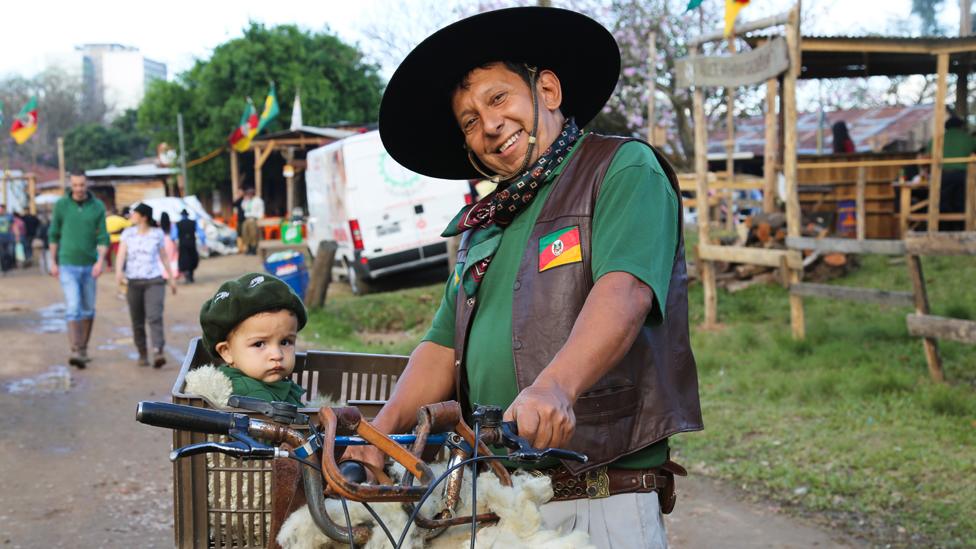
x,y
533,137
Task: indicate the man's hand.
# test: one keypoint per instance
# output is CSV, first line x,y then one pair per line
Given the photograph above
x,y
55,271
171,282
96,269
544,414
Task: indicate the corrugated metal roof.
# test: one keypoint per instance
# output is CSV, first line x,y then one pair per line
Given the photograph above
x,y
901,127
331,133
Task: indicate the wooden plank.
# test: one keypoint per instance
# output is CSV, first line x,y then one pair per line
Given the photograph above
x,y
903,210
938,140
798,324
321,274
847,245
881,163
939,327
929,344
859,203
235,185
955,243
790,114
730,137
769,152
869,295
651,84
740,29
751,256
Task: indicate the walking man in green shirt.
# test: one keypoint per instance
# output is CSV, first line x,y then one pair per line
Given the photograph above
x,y
568,304
78,241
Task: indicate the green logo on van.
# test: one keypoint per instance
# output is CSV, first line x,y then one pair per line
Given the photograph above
x,y
396,175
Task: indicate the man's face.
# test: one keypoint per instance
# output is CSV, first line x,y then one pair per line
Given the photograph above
x,y
495,115
79,187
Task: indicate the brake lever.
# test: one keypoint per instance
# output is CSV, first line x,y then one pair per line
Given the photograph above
x,y
243,447
524,452
277,411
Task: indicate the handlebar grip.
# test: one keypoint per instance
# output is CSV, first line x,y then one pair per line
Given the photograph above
x,y
187,418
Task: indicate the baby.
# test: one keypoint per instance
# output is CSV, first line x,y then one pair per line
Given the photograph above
x,y
249,328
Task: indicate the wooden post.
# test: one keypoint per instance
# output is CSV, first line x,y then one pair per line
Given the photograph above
x,y
290,183
797,321
970,197
730,149
321,274
859,207
258,180
61,168
769,160
651,85
931,345
706,269
3,191
905,208
32,193
235,183
938,142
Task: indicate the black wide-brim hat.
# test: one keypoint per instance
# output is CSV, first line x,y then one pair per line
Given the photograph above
x,y
417,125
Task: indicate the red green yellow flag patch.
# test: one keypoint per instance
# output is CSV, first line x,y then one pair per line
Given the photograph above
x,y
560,248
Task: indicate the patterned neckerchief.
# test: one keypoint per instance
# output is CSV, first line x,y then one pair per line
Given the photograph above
x,y
488,217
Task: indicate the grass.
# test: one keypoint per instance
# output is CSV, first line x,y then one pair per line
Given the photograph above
x,y
844,426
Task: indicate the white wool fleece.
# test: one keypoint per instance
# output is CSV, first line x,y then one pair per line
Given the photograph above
x,y
520,524
209,383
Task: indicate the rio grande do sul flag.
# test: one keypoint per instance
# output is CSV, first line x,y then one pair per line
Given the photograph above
x,y
25,124
247,128
560,248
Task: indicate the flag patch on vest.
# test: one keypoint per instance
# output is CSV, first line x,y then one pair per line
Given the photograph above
x,y
560,248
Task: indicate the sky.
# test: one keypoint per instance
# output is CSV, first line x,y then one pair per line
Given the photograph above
x,y
179,31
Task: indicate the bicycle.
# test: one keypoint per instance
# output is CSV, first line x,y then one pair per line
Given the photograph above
x,y
438,425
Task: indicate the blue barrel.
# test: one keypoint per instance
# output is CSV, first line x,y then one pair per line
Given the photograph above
x,y
289,266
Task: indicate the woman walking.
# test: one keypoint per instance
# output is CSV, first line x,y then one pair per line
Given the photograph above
x,y
140,264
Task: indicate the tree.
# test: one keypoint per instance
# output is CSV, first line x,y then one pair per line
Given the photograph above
x,y
336,85
92,145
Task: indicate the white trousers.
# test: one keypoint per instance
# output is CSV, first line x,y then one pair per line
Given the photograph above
x,y
624,521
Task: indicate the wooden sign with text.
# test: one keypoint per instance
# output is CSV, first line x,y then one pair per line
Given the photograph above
x,y
751,67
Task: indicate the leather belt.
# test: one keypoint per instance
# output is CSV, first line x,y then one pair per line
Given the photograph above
x,y
604,482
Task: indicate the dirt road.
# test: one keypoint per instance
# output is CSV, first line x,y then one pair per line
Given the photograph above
x,y
78,471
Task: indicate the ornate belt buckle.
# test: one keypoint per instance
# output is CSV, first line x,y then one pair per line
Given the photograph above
x,y
597,483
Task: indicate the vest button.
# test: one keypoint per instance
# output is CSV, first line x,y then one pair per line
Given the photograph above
x,y
470,302
516,344
518,285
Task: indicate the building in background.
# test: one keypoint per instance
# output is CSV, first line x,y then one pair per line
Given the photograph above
x,y
116,76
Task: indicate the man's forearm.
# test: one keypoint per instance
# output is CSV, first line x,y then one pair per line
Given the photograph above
x,y
428,378
53,247
101,250
610,320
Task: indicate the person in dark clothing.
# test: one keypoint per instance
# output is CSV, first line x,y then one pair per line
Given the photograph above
x,y
31,224
842,139
186,235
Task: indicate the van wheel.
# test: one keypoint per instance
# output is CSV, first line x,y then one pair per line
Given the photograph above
x,y
356,284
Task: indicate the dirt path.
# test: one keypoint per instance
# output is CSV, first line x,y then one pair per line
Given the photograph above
x,y
78,471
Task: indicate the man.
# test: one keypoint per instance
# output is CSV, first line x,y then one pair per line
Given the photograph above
x,y
31,224
253,208
568,307
952,196
115,224
8,239
78,242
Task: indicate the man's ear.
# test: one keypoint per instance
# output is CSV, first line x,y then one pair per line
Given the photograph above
x,y
550,90
223,349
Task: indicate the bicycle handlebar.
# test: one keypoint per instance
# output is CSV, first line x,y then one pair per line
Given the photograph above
x,y
190,418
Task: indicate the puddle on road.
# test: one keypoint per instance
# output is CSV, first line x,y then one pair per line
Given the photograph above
x,y
185,328
56,380
52,319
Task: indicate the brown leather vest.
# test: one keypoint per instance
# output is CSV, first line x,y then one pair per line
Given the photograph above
x,y
653,392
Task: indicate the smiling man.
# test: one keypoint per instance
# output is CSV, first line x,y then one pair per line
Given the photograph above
x,y
568,305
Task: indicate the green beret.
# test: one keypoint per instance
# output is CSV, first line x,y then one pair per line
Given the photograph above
x,y
237,300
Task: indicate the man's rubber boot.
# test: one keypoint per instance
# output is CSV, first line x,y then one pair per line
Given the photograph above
x,y
75,333
86,330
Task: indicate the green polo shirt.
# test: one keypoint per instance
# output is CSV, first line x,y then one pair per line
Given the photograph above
x,y
957,144
635,230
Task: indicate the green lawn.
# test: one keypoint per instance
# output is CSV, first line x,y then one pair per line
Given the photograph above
x,y
844,426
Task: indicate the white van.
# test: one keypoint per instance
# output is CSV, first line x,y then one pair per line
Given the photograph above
x,y
384,218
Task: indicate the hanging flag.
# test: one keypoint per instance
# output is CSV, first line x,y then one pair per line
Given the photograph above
x,y
693,4
296,113
732,8
25,124
270,109
240,138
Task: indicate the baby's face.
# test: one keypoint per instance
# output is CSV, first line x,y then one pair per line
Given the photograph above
x,y
263,346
